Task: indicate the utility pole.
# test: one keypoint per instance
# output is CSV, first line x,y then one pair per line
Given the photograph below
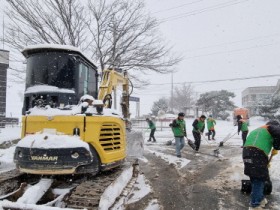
x,y
3,31
171,104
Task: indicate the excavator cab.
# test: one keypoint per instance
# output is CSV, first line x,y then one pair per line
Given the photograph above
x,y
62,134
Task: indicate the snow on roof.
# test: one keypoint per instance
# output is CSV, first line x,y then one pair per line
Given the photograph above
x,y
49,140
170,116
76,110
55,47
47,88
51,46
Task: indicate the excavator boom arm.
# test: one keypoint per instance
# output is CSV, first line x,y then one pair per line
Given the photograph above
x,y
110,80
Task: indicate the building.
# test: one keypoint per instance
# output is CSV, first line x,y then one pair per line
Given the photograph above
x,y
254,97
277,91
4,65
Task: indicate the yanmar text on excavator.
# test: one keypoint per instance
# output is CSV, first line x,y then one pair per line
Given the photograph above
x,y
64,129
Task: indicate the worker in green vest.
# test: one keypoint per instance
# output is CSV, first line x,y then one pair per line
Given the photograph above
x,y
179,130
259,144
211,127
152,126
198,129
243,127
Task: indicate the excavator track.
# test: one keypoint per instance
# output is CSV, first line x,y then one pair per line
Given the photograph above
x,y
85,194
9,181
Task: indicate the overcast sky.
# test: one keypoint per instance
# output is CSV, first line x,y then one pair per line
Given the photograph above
x,y
218,39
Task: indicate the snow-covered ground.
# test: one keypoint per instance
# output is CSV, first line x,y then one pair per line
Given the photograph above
x,y
223,128
9,133
6,155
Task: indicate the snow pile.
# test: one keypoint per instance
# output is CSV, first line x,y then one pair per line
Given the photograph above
x,y
48,140
7,135
114,190
153,205
34,193
87,97
6,159
178,162
12,205
142,188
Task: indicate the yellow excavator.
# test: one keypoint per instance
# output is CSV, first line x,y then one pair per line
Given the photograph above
x,y
62,134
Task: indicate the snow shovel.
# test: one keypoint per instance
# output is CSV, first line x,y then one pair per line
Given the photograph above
x,y
228,137
204,138
246,186
191,144
169,142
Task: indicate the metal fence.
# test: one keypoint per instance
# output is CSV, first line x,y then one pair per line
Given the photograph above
x,y
142,123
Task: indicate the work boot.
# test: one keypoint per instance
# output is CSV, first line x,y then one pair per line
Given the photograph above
x,y
149,140
154,140
263,202
179,156
213,138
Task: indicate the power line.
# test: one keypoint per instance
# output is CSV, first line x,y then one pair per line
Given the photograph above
x,y
179,6
229,51
222,80
198,11
233,42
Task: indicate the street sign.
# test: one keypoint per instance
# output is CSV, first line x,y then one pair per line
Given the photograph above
x,y
132,98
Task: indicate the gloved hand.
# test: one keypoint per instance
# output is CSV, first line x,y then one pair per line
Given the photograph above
x,y
274,152
268,166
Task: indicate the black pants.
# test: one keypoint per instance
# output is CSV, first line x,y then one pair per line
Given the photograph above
x,y
197,140
211,132
152,135
244,136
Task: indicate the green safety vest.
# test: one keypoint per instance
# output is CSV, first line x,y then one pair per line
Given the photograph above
x,y
261,139
179,131
200,126
152,125
211,123
244,126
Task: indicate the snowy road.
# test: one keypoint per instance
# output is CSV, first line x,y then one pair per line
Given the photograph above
x,y
201,181
192,182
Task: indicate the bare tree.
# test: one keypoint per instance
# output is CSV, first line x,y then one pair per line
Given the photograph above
x,y
38,22
48,21
183,97
116,33
126,36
